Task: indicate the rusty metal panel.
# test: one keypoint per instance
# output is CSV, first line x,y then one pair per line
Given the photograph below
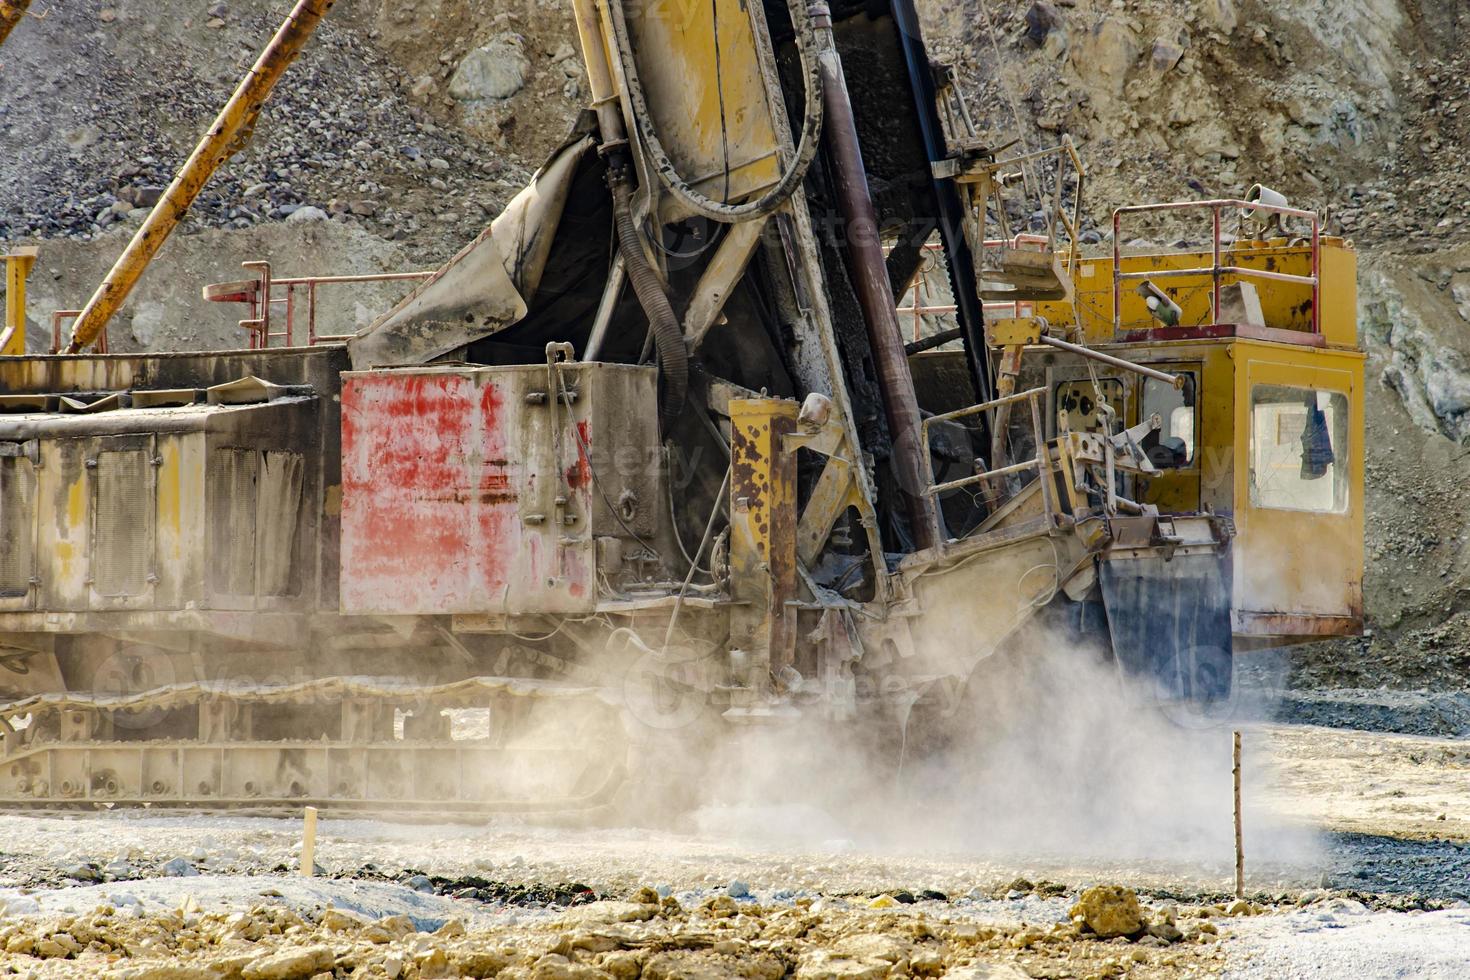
x,y
17,526
278,511
64,524
124,506
232,476
472,490
122,533
763,528
180,521
429,493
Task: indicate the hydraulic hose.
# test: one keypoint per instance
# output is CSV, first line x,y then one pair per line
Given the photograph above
x,y
807,43
668,335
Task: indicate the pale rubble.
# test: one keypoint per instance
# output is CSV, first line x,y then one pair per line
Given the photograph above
x,y
603,941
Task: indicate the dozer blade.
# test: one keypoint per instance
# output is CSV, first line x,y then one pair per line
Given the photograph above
x,y
1169,616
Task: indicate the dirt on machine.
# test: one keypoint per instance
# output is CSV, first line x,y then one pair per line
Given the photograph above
x,y
662,457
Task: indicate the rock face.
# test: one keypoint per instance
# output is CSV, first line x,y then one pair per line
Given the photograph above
x,y
1414,322
1109,910
496,70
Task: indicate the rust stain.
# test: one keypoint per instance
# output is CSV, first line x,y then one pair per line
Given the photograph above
x,y
428,521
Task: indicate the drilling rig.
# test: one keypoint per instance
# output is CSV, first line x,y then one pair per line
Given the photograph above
x,y
650,462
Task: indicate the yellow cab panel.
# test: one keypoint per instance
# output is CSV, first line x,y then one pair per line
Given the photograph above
x,y
1267,428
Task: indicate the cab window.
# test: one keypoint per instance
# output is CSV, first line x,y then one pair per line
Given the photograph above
x,y
1172,447
1077,403
1298,449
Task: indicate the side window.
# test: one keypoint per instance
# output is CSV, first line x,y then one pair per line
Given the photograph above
x,y
1173,446
1077,407
1298,449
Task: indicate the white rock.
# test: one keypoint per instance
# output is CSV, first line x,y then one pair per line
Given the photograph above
x,y
497,70
305,214
179,868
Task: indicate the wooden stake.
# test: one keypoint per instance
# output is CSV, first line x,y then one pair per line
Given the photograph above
x,y
1239,847
308,838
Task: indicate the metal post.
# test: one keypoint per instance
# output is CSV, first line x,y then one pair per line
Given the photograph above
x,y
226,136
259,324
18,266
1239,847
1117,271
763,531
864,253
1316,276
290,314
311,315
1215,271
308,843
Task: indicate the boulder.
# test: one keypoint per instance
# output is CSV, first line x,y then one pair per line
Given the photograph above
x,y
494,71
1041,19
1109,910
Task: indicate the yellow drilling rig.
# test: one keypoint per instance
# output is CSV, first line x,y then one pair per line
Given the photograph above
x,y
651,461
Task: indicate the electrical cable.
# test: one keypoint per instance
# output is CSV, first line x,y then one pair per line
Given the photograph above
x,y
703,543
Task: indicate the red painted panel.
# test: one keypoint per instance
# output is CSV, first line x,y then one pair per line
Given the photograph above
x,y
429,506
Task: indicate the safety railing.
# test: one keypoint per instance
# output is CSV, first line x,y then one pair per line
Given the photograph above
x,y
266,293
1041,462
1217,270
60,317
914,295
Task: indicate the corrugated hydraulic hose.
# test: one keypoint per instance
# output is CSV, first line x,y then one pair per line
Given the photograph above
x,y
807,43
668,335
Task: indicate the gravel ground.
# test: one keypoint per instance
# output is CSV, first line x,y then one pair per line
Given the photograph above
x,y
1343,939
1356,877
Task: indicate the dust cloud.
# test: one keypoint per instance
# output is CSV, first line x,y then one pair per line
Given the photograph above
x,y
1046,755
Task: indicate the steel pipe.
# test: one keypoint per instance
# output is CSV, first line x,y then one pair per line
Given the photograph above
x,y
869,272
1177,380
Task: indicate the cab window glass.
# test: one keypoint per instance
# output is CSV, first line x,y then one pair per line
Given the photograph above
x,y
1298,449
1077,403
1173,446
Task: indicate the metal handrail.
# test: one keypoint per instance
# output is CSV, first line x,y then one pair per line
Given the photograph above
x,y
1215,270
58,317
262,298
1041,462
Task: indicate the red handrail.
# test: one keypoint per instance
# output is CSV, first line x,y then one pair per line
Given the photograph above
x,y
261,298
1215,270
